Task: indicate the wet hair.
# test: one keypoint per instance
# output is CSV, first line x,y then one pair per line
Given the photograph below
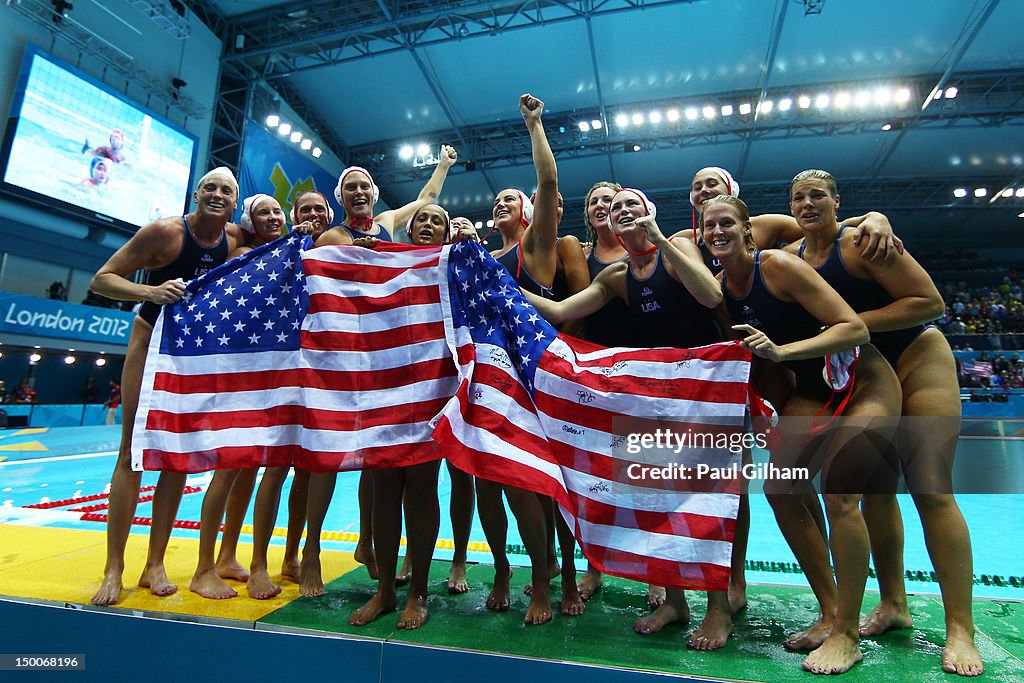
x,y
815,174
741,210
591,230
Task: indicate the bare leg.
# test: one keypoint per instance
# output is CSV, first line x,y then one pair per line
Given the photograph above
x,y
738,570
572,603
716,628
268,499
885,530
388,487
850,549
422,524
461,510
364,547
491,509
674,610
529,513
124,483
166,498
205,581
228,566
808,546
296,523
927,373
321,488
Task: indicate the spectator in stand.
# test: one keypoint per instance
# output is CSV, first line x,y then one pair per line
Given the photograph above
x,y
58,291
3,391
113,401
23,393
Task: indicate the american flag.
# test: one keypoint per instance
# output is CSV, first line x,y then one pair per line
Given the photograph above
x,y
976,368
329,359
552,414
359,372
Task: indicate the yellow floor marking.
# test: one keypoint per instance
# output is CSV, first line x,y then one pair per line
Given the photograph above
x,y
65,565
26,432
24,446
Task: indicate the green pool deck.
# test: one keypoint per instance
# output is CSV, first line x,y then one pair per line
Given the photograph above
x,y
604,635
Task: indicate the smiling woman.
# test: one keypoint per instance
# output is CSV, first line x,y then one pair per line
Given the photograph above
x,y
171,249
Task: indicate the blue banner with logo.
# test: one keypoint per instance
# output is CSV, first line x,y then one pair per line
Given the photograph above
x,y
272,166
20,314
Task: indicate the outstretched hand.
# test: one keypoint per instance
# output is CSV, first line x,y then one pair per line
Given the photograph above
x,y
530,107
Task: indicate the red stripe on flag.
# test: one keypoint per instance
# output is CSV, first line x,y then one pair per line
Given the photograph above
x,y
693,389
357,272
690,575
277,416
354,305
314,378
671,523
369,342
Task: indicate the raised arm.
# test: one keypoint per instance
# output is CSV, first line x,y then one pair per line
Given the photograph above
x,y
543,232
685,263
573,265
428,195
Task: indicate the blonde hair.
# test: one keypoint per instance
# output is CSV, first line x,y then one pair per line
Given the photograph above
x,y
816,174
741,211
591,230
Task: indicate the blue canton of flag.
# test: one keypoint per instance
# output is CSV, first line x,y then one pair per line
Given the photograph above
x,y
486,299
254,302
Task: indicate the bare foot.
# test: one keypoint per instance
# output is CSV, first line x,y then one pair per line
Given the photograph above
x,y
311,584
290,568
737,598
666,613
960,656
457,578
364,555
712,632
885,617
404,574
500,596
209,585
232,570
539,610
810,639
377,606
110,589
260,586
155,579
572,601
415,613
590,583
655,596
836,655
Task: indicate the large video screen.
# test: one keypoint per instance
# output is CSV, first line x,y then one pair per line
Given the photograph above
x,y
75,144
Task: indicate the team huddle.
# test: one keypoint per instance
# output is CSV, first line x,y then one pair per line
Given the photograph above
x,y
834,311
